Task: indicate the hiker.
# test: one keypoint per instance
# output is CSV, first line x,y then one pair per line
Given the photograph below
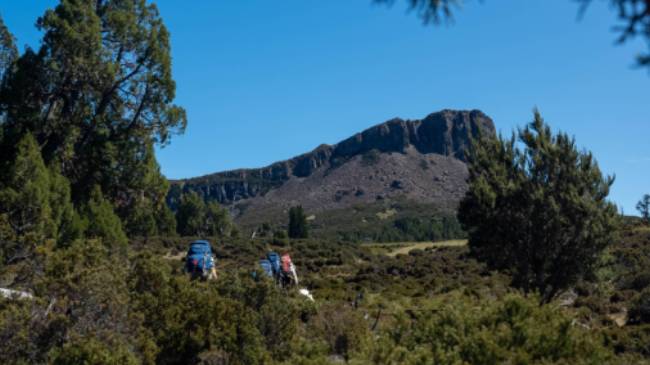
x,y
288,271
200,262
281,269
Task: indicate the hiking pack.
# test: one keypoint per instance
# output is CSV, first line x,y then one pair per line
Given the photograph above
x,y
288,269
266,267
280,268
199,261
274,259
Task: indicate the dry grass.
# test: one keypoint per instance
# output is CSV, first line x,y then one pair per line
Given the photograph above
x,y
386,214
396,248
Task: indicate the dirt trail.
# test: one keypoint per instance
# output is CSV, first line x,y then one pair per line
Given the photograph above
x,y
397,248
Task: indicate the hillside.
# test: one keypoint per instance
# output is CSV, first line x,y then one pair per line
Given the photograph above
x,y
418,161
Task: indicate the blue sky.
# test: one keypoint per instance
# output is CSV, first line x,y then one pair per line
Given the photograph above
x,y
266,80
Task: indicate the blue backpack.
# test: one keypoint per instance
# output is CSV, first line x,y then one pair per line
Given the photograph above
x,y
266,267
199,257
274,259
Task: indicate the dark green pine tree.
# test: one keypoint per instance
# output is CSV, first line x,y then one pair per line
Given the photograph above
x,y
539,212
68,225
101,221
25,211
297,223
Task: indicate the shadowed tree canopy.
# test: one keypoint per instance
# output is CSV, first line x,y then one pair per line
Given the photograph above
x,y
539,212
97,95
8,51
634,16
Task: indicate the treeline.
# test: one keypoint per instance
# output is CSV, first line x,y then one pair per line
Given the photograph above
x,y
409,228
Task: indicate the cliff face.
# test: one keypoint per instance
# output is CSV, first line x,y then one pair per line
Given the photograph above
x,y
446,133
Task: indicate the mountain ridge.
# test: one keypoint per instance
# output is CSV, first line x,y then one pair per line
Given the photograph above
x,y
325,177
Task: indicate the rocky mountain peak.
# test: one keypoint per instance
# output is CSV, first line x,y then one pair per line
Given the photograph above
x,y
445,134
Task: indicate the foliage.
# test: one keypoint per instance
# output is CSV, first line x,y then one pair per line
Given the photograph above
x,y
643,206
101,220
97,95
430,11
195,217
25,209
512,330
388,220
541,212
432,229
640,311
635,16
298,227
91,351
440,305
8,51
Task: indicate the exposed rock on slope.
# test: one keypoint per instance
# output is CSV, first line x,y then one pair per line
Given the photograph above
x,y
422,160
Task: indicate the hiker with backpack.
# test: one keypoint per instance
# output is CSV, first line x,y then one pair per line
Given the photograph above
x,y
199,261
288,270
280,268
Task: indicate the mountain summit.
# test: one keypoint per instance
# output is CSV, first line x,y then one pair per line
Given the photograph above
x,y
414,160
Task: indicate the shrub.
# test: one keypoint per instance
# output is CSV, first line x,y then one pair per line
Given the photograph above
x,y
539,212
640,310
514,330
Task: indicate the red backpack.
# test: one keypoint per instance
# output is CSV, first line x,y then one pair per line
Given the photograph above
x,y
286,263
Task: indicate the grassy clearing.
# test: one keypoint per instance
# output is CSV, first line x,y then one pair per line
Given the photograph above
x,y
393,249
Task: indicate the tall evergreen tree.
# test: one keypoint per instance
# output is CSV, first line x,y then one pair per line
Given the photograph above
x,y
101,220
25,202
539,212
297,223
97,96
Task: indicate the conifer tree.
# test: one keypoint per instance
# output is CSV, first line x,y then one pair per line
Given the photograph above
x,y
67,222
539,212
25,202
101,220
297,223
